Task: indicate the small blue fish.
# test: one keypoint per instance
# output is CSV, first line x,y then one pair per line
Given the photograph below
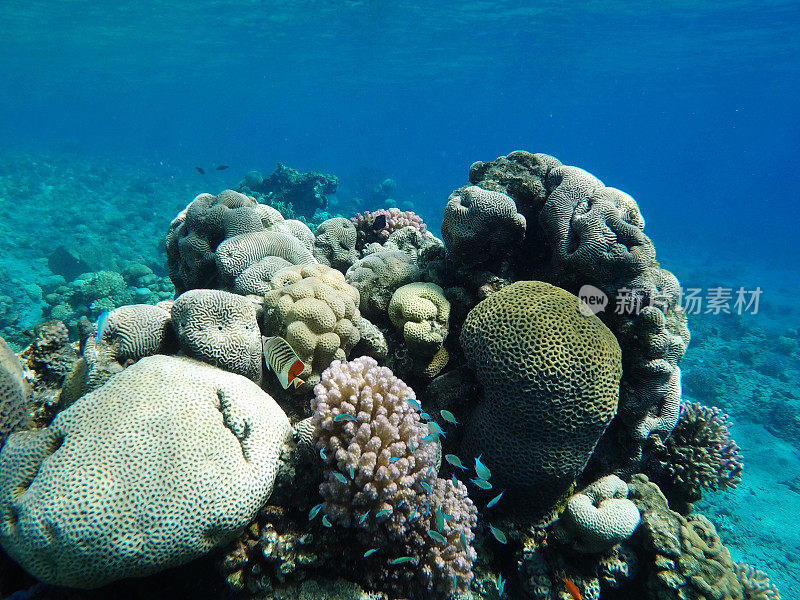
x,y
455,461
429,471
383,513
394,459
370,552
495,500
434,429
399,504
501,585
322,454
326,522
498,535
414,514
425,416
430,438
437,537
463,539
314,512
352,472
455,581
340,478
363,518
411,445
439,517
344,417
455,480
482,483
427,509
447,517
427,487
102,321
401,560
481,469
448,416
414,403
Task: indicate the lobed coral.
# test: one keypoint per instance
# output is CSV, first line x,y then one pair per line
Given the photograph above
x,y
163,462
550,379
381,479
335,243
755,583
376,277
700,454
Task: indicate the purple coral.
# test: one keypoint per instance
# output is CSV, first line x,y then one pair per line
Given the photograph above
x,y
381,478
395,219
700,453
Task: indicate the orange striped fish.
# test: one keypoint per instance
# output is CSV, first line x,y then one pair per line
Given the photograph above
x,y
283,360
572,588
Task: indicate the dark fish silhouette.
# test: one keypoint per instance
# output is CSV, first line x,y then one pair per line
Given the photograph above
x,y
201,170
221,167
379,223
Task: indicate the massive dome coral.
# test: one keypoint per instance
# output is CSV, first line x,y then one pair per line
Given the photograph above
x,y
550,378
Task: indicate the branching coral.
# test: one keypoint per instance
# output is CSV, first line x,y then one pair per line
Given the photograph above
x,y
755,582
700,454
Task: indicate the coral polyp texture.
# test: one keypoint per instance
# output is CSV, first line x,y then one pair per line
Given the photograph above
x,y
316,311
550,378
219,328
381,478
599,516
481,225
166,460
14,393
581,232
335,243
376,277
700,454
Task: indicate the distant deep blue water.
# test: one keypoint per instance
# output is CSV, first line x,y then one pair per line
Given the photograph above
x,y
690,107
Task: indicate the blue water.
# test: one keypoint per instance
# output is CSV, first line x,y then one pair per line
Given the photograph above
x,y
692,108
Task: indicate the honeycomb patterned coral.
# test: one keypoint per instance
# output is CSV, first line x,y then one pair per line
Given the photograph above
x,y
421,312
377,276
165,461
598,517
219,328
316,311
481,225
14,393
550,379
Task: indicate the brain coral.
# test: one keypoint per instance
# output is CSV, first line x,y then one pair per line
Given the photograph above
x,y
389,473
236,254
480,225
687,560
335,243
219,328
316,311
550,379
377,276
598,517
421,312
196,232
168,459
14,393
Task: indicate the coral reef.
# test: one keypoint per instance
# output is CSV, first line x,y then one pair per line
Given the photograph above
x,y
335,243
303,192
755,583
316,311
163,462
14,393
394,219
550,379
381,479
376,277
700,454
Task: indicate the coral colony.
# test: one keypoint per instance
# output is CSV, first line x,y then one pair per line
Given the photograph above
x,y
356,402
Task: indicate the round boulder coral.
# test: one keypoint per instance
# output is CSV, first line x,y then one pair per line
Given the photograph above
x,y
377,276
480,225
316,311
168,459
14,393
219,328
335,243
550,378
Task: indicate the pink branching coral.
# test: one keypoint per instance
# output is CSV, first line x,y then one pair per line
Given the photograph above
x,y
395,219
381,479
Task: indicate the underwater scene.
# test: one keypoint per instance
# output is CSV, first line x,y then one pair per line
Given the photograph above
x,y
362,300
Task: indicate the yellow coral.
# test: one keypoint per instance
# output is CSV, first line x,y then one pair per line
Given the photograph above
x,y
421,312
315,310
